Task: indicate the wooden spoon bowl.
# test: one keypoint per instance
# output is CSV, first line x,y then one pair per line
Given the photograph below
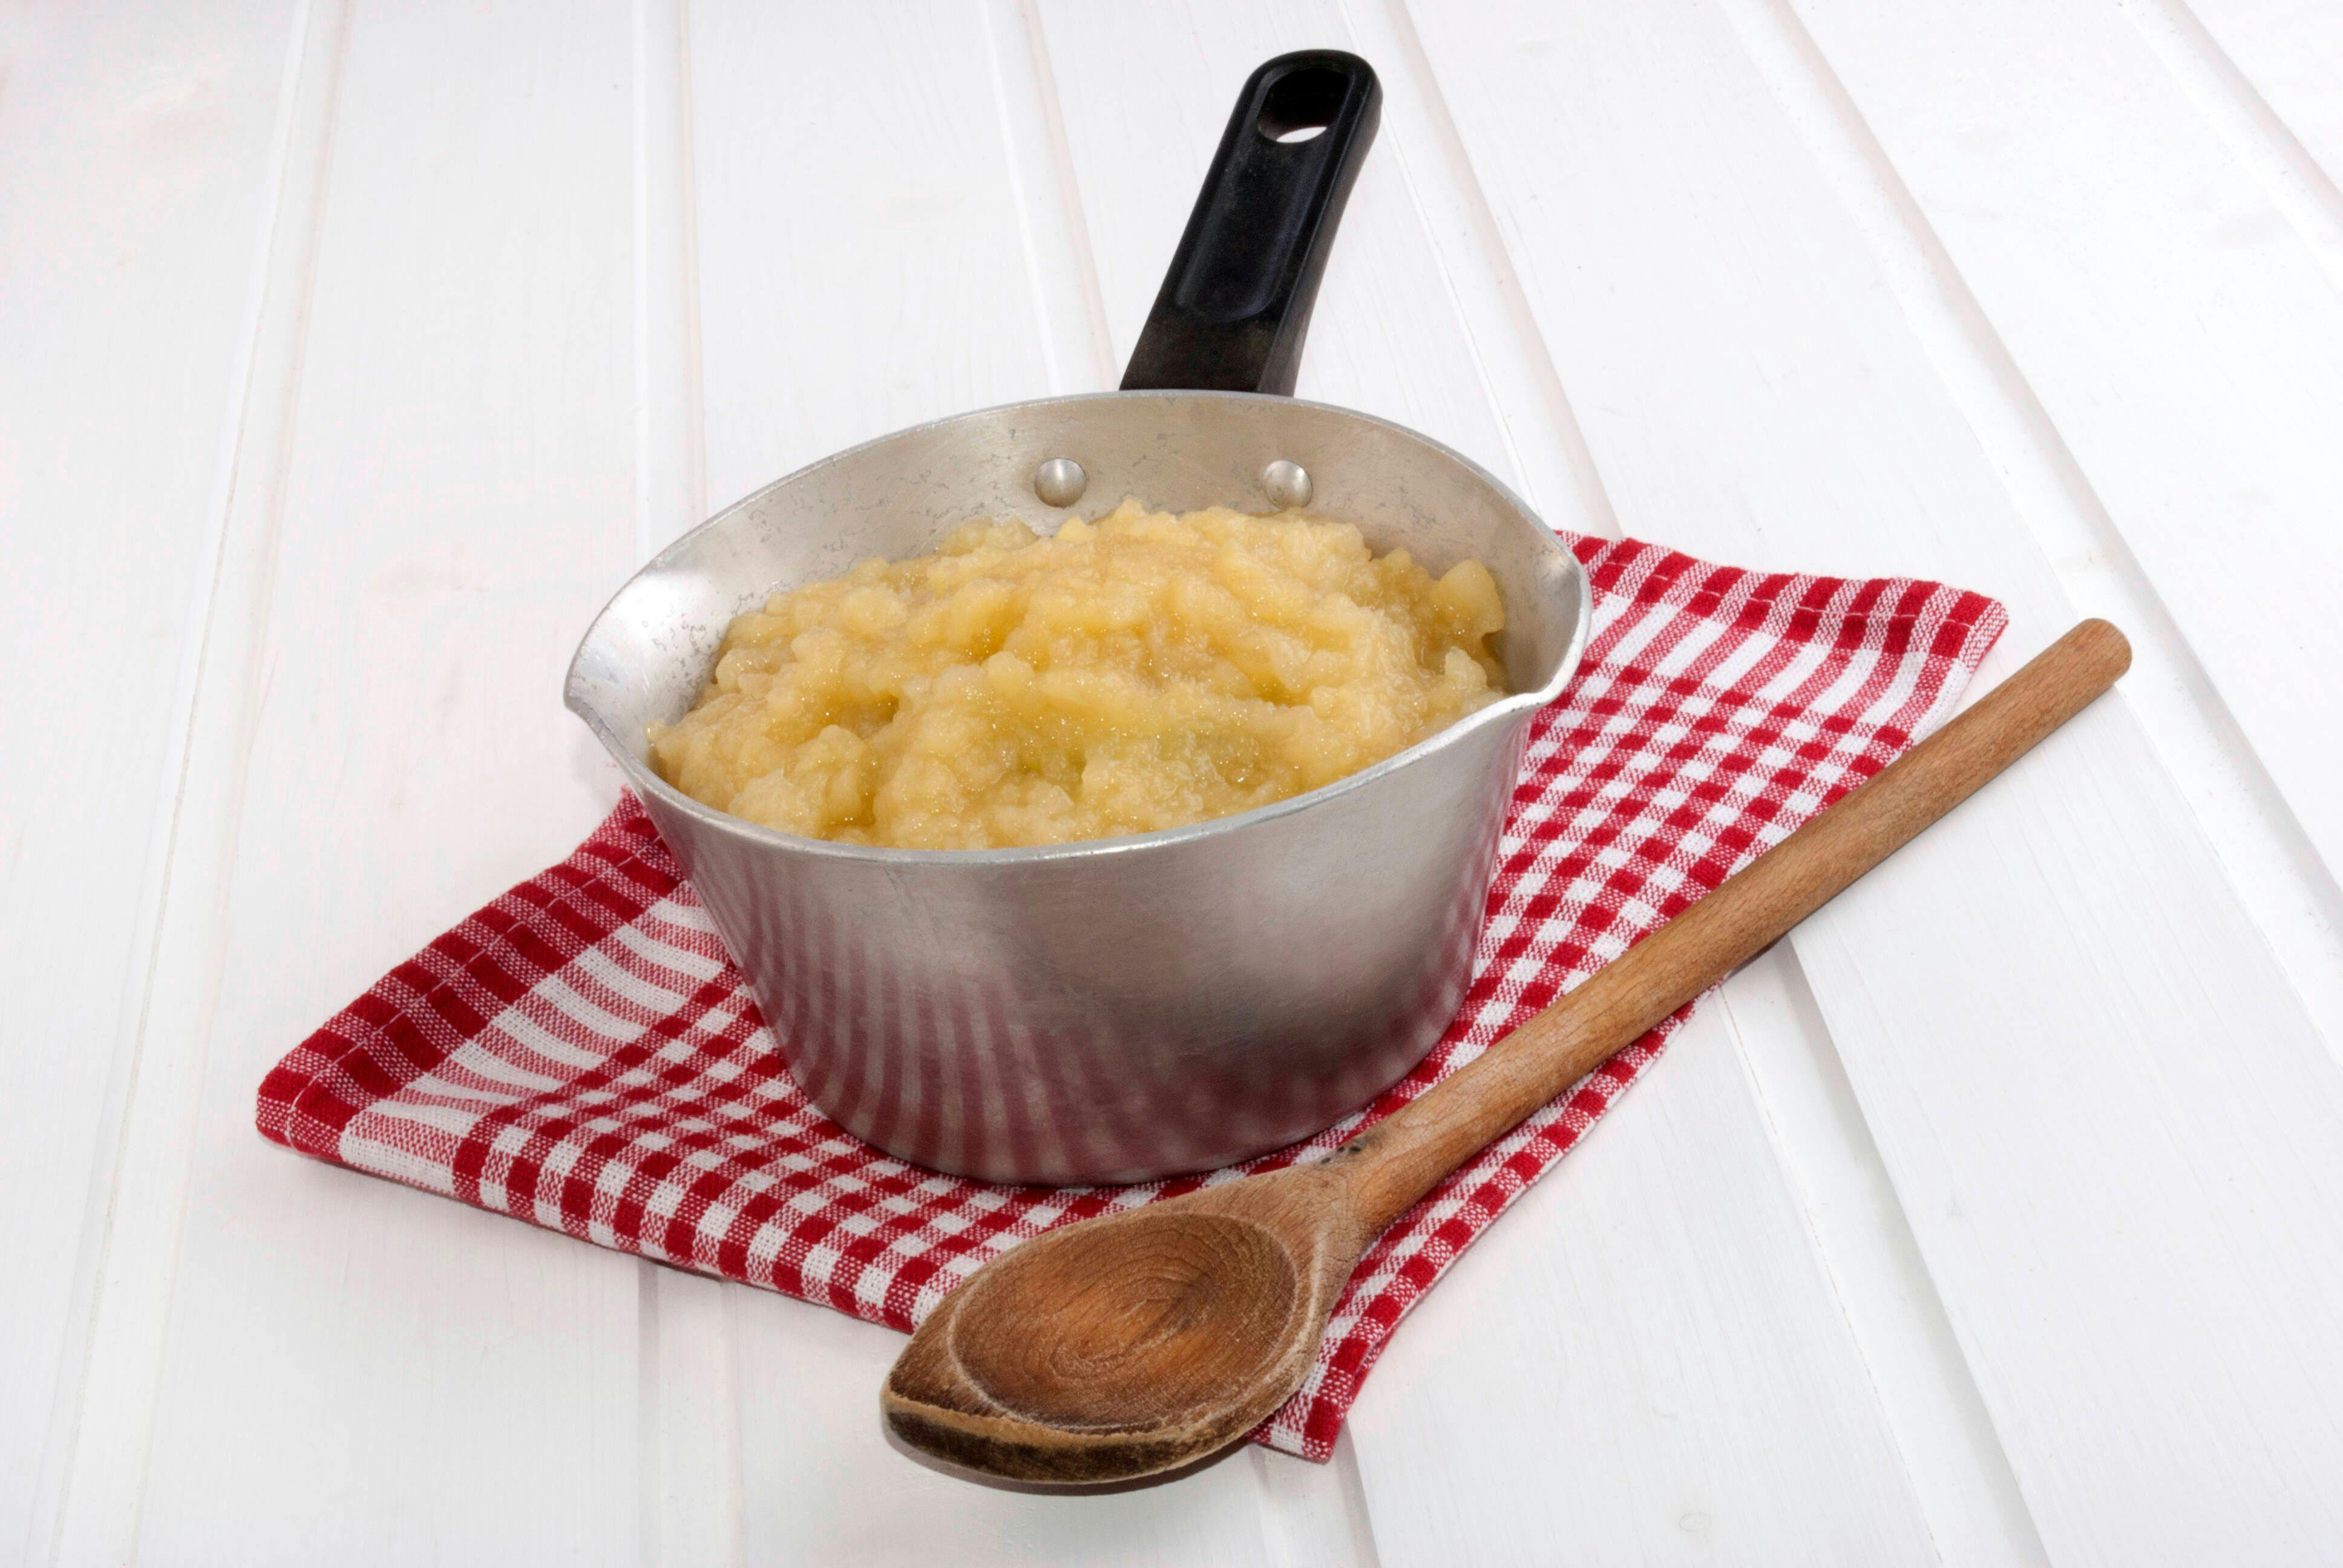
x,y
1139,1341
1171,1330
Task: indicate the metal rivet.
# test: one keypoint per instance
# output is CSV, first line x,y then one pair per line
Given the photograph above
x,y
1059,481
1288,484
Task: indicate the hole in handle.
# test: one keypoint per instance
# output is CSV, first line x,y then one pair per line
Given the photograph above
x,y
1302,104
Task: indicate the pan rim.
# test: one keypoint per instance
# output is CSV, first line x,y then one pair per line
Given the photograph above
x,y
645,781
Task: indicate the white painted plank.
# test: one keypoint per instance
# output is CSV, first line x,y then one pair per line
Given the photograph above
x,y
693,1482
1749,388
1976,1513
2128,1193
1622,1368
97,1491
1967,1493
2292,52
1078,346
693,1388
1556,474
670,457
2184,336
861,254
350,1366
1314,1516
127,319
2263,73
1438,1453
869,257
2268,859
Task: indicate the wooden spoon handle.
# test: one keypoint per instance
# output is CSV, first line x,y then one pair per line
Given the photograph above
x,y
1400,1159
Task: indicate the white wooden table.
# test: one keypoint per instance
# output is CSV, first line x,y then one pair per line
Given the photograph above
x,y
351,351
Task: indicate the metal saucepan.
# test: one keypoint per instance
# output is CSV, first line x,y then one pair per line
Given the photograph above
x,y
1128,1007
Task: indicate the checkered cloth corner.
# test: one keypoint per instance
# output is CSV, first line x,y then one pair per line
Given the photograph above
x,y
582,1054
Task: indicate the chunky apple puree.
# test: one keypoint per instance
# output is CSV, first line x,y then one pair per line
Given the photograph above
x,y
1137,672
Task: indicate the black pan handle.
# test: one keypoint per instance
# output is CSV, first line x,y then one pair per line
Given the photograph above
x,y
1236,303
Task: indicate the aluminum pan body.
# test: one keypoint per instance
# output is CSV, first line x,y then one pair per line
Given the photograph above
x,y
1128,1007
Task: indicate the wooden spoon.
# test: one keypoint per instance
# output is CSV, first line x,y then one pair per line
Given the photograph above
x,y
1139,1341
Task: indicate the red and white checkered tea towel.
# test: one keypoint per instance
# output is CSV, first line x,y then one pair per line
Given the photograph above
x,y
582,1054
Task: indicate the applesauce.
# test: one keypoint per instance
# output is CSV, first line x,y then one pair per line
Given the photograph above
x,y
1141,671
